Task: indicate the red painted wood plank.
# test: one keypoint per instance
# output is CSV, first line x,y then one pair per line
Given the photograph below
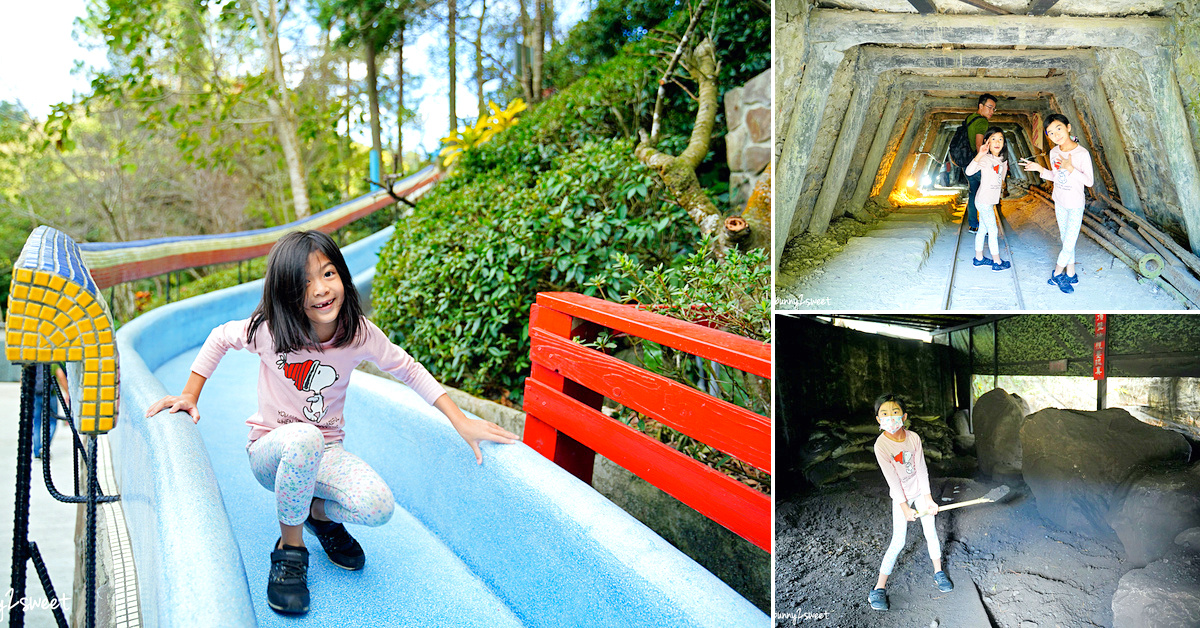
x,y
561,448
715,422
742,353
730,503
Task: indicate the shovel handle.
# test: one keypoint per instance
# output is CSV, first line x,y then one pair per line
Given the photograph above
x,y
970,502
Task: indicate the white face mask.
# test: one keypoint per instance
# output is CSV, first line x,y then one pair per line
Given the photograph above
x,y
891,424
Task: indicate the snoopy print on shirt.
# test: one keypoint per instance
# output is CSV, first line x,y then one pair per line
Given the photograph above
x,y
906,458
312,377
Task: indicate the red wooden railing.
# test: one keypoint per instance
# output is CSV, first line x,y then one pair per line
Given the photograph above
x,y
569,382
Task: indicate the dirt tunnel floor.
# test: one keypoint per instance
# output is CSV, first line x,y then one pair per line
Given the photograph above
x,y
1025,572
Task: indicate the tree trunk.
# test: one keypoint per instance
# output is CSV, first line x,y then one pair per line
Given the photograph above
x,y
280,107
539,45
479,60
346,155
399,158
452,5
679,173
551,18
373,96
526,39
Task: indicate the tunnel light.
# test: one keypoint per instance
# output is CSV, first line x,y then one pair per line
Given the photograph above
x,y
925,180
911,183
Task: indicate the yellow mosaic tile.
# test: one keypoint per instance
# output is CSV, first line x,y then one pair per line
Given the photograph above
x,y
52,317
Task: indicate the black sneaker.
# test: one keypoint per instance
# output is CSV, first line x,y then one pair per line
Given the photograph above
x,y
973,230
287,586
341,548
878,599
942,582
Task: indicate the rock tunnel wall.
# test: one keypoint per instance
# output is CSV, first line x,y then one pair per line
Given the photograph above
x,y
859,92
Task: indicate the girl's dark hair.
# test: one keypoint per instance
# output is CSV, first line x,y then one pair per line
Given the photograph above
x,y
285,288
992,130
882,399
1055,117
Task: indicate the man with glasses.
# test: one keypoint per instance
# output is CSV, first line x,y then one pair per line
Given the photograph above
x,y
977,125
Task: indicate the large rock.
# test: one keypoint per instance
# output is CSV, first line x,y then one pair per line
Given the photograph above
x,y
1165,594
1074,461
998,417
1152,507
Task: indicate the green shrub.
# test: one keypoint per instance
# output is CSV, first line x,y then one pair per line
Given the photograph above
x,y
456,281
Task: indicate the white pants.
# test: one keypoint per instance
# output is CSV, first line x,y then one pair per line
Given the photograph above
x,y
988,228
900,530
1069,223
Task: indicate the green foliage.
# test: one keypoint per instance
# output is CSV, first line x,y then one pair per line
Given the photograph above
x,y
456,280
733,294
610,25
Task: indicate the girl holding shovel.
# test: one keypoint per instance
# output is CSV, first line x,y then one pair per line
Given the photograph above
x,y
902,461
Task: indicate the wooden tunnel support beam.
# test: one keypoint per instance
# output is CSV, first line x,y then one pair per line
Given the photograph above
x,y
831,33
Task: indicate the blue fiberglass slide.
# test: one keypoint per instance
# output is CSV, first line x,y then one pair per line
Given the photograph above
x,y
514,542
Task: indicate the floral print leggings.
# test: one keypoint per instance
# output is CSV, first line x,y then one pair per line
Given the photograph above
x,y
295,462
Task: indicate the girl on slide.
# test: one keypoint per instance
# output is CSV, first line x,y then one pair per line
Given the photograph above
x,y
994,168
310,333
1071,171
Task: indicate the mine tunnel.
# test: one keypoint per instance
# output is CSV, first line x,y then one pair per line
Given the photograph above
x,y
871,92
1086,426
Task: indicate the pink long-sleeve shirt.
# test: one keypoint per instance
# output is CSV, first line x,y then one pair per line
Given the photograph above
x,y
993,171
1068,186
903,466
309,386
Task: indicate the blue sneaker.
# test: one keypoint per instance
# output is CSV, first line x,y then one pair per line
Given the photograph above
x,y
1001,265
878,599
1073,278
982,262
942,581
1063,282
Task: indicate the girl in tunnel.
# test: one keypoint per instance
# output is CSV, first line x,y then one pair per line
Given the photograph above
x,y
993,168
902,461
1071,171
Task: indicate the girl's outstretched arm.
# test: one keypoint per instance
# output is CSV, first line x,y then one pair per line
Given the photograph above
x,y
472,430
185,401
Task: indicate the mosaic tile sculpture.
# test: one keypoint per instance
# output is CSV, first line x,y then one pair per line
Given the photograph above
x,y
57,314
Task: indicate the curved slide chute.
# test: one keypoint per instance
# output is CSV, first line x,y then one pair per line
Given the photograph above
x,y
514,542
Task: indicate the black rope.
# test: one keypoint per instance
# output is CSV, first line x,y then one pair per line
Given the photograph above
x,y
90,540
75,498
47,586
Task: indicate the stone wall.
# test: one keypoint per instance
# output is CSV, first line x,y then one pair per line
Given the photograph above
x,y
748,143
1187,63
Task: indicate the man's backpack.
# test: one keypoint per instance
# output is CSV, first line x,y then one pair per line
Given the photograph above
x,y
961,151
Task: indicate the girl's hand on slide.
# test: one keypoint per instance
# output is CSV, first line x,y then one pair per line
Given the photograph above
x,y
475,431
180,403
